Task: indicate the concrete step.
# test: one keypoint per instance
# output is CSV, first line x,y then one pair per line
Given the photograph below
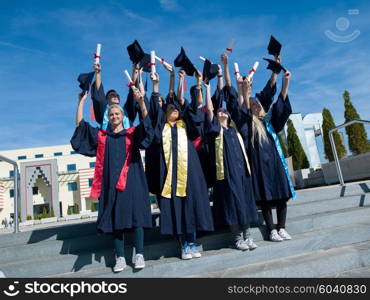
x,y
363,272
86,247
93,242
333,191
161,260
319,263
218,261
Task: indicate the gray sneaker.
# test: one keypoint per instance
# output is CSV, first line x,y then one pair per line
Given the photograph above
x,y
139,261
275,237
120,264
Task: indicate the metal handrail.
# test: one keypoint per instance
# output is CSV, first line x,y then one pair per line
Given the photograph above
x,y
333,148
16,190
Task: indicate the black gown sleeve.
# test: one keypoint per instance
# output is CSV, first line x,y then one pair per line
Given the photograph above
x,y
85,139
157,117
217,99
281,111
212,128
266,96
99,102
193,119
144,133
130,106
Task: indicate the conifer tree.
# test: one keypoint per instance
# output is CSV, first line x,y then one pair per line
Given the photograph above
x,y
357,136
295,149
327,124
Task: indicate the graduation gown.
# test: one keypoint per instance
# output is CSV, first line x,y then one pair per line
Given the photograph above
x,y
101,108
118,210
270,182
233,202
180,215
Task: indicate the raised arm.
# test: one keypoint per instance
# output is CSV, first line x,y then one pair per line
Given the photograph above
x,y
97,69
285,86
210,113
246,92
80,107
225,62
239,83
199,77
220,80
139,98
180,89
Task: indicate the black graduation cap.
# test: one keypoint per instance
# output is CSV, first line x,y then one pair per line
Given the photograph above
x,y
274,66
135,52
85,80
274,47
210,70
145,63
184,62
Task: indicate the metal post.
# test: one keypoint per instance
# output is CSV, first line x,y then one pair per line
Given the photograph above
x,y
337,164
16,192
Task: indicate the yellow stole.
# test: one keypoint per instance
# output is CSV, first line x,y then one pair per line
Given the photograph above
x,y
219,145
182,159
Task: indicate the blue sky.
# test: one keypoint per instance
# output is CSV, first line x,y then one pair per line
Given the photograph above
x,y
45,45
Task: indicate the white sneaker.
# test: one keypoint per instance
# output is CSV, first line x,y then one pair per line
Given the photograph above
x,y
251,244
120,264
275,237
284,234
194,252
185,253
240,243
139,261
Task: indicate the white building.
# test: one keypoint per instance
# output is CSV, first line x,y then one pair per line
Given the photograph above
x,y
308,127
55,178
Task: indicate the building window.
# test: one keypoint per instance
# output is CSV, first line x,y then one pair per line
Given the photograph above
x,y
11,193
73,152
58,154
92,164
71,167
72,186
35,190
90,182
22,157
39,155
11,173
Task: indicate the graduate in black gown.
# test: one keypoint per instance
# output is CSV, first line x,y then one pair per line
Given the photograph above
x,y
271,183
102,101
233,202
184,203
119,180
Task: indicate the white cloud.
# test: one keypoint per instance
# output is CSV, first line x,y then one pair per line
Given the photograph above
x,y
169,5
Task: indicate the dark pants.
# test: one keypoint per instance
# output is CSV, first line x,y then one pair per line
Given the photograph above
x,y
186,239
281,212
119,243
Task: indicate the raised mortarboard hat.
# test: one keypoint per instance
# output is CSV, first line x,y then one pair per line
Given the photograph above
x,y
210,70
184,62
274,66
135,52
145,63
85,80
274,47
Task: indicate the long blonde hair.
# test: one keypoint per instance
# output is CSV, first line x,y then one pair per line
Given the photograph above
x,y
258,129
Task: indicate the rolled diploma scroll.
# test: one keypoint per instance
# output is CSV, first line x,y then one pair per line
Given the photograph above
x,y
230,45
202,58
97,53
237,74
251,71
130,83
162,61
152,61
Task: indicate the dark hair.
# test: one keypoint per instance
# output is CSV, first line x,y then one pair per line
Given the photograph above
x,y
111,94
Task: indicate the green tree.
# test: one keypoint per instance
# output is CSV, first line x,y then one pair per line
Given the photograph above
x,y
327,124
357,137
295,149
283,145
